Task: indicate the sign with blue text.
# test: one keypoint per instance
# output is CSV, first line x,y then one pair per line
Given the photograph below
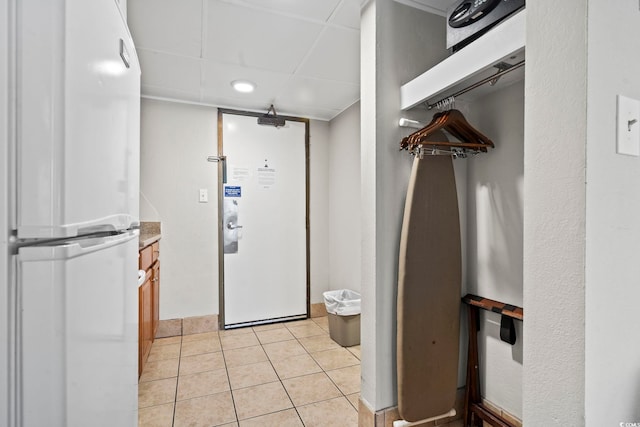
x,y
232,191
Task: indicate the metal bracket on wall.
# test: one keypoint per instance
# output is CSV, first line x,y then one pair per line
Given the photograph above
x,y
223,160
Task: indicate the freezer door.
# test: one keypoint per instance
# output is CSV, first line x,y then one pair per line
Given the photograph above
x,y
78,119
77,330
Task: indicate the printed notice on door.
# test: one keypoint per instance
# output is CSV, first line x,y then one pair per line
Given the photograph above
x,y
266,177
239,173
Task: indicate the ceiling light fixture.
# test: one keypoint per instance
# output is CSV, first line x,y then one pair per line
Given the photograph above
x,y
243,86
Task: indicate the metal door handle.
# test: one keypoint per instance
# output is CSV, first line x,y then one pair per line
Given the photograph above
x,y
231,226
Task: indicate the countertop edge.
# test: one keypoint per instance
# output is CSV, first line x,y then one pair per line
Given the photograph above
x,y
149,239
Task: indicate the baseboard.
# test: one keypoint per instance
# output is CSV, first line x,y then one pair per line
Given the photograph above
x,y
187,326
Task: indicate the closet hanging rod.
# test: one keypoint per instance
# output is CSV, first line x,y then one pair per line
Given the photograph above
x,y
477,84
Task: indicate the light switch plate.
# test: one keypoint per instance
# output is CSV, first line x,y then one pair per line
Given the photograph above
x,y
204,196
628,126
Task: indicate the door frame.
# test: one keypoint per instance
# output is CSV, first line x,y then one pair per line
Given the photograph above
x,y
221,168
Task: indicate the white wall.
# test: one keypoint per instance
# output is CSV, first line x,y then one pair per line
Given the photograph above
x,y
319,206
175,142
494,254
344,201
397,43
554,213
612,381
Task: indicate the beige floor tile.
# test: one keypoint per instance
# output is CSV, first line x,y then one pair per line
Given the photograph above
x,y
308,330
323,322
239,341
355,350
168,340
288,418
201,363
213,410
335,359
202,384
232,332
347,379
297,323
203,336
159,369
156,416
154,393
268,327
191,348
319,343
283,349
260,400
250,375
274,335
295,366
310,389
163,352
330,413
353,398
244,356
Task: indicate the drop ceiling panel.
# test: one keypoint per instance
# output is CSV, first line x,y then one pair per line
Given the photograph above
x,y
319,10
336,46
306,92
308,111
347,14
438,7
250,37
217,80
170,71
167,25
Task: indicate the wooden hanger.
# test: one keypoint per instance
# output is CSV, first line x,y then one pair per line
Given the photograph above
x,y
455,124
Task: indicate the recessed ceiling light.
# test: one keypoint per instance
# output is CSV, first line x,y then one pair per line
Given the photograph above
x,y
243,86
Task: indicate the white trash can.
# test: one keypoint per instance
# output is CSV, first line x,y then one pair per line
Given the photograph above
x,y
343,309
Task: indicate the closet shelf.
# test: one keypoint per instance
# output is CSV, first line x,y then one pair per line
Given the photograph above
x,y
472,62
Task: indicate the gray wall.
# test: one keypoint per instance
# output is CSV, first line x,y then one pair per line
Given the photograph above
x,y
494,224
344,202
612,344
554,213
397,43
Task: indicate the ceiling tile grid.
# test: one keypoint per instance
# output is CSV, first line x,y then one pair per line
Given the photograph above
x,y
303,55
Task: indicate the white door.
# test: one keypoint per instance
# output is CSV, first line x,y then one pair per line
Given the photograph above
x,y
264,221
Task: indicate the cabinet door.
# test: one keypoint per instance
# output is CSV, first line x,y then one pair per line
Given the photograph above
x,y
156,298
146,319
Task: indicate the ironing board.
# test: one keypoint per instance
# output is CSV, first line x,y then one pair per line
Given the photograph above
x,y
429,280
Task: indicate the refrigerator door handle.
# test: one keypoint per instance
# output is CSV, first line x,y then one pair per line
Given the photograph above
x,y
76,247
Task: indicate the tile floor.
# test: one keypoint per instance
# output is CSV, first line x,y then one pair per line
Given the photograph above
x,y
287,374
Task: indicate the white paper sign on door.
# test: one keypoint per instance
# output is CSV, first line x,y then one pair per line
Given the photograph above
x,y
266,177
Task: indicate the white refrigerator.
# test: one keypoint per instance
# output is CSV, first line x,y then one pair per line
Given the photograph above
x,y
69,186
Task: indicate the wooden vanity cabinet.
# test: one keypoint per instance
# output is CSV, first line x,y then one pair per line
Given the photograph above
x,y
155,285
145,317
148,302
